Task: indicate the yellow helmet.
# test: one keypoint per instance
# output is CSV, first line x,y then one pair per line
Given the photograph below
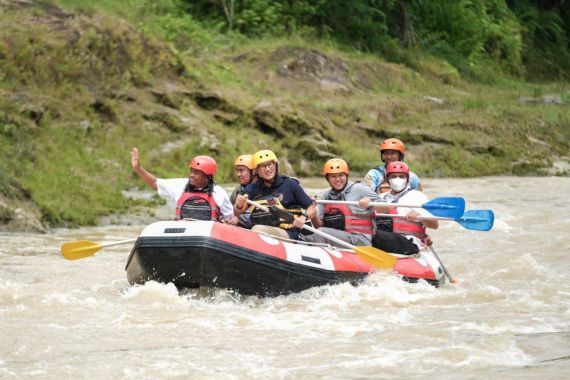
x,y
244,160
264,156
335,165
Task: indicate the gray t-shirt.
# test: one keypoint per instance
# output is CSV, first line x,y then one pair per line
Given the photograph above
x,y
351,192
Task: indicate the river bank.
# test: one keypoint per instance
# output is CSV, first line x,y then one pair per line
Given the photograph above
x,y
81,87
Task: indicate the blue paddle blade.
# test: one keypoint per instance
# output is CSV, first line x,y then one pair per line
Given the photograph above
x,y
447,207
478,220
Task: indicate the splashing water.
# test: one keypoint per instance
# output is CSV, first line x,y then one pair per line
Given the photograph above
x,y
507,316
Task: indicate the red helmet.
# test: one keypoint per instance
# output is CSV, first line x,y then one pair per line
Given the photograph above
x,y
397,167
205,164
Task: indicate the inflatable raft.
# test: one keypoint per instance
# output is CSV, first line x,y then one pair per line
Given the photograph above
x,y
191,254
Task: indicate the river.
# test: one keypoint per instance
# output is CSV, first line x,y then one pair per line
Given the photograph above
x,y
507,317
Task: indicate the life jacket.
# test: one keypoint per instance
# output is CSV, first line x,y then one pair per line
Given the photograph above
x,y
268,218
384,223
334,218
197,204
341,217
405,227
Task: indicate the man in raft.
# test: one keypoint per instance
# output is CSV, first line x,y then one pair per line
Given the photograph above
x,y
198,196
245,174
407,234
391,150
352,224
273,189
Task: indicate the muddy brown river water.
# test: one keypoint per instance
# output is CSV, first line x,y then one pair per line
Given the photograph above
x,y
508,316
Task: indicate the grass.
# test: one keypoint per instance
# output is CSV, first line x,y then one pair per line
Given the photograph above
x,y
74,99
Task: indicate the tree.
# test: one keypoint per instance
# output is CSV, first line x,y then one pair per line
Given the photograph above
x,y
229,8
407,35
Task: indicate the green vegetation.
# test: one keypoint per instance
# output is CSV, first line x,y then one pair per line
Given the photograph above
x,y
83,82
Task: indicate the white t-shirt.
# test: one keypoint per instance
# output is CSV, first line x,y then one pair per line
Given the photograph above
x,y
174,187
411,197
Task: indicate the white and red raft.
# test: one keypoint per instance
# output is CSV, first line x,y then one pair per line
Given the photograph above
x,y
192,254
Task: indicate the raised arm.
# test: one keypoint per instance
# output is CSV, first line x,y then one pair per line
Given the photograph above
x,y
147,177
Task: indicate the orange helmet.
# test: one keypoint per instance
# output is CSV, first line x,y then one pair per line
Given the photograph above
x,y
393,144
397,167
244,160
205,164
335,165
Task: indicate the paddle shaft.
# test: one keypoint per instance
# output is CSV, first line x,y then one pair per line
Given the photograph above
x,y
477,220
84,248
373,256
329,237
387,204
447,274
118,243
437,217
418,218
98,246
309,228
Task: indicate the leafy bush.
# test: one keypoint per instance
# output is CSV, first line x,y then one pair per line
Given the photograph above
x,y
546,41
471,35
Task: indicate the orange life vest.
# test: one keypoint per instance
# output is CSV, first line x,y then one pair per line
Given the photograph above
x,y
405,227
340,216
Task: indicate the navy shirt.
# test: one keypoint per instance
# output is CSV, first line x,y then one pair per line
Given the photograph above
x,y
287,190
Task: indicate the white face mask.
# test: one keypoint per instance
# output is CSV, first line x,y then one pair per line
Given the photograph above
x,y
398,184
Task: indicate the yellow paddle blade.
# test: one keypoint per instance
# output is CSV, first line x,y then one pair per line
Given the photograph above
x,y
79,249
376,257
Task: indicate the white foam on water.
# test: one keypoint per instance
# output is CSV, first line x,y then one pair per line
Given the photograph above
x,y
153,292
9,292
502,327
53,299
502,225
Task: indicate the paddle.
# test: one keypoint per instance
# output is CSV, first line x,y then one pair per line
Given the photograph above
x,y
448,207
451,279
476,220
84,248
373,256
